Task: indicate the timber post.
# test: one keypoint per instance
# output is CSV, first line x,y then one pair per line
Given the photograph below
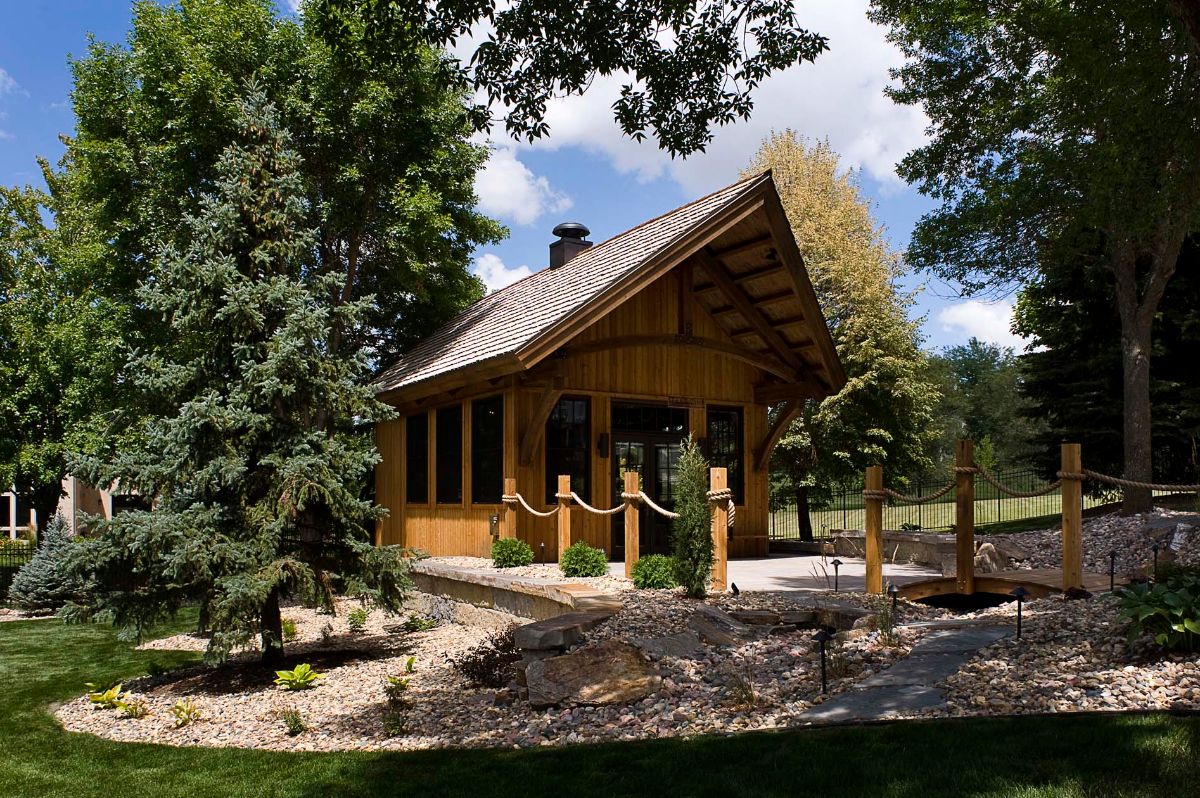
x,y
564,514
964,516
508,522
873,504
632,540
718,487
1072,516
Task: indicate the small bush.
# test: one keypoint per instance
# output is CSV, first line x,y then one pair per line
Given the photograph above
x,y
490,663
691,533
580,559
294,721
1168,610
289,630
357,619
302,677
655,572
419,623
109,698
47,582
511,553
396,688
393,723
186,712
133,709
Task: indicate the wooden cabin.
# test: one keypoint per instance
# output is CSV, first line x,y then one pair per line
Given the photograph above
x,y
694,322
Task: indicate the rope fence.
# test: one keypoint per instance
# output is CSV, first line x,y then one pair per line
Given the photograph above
x,y
515,498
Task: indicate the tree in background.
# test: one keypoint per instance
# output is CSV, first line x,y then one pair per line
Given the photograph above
x,y
1073,373
47,581
60,337
981,399
884,414
1058,130
253,500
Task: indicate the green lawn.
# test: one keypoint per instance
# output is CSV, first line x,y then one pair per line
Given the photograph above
x,y
42,661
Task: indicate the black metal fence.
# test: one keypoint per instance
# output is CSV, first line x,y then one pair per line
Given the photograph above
x,y
844,510
12,557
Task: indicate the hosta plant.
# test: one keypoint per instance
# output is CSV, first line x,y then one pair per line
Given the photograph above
x,y
302,677
186,712
109,698
1169,611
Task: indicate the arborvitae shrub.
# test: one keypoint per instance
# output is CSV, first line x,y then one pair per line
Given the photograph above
x,y
45,584
691,535
580,559
654,572
511,553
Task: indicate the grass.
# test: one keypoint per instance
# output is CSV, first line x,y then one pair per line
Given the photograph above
x,y
42,662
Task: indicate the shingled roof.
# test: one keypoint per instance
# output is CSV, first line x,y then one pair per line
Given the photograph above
x,y
514,318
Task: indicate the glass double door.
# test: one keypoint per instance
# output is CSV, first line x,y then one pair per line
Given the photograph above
x,y
647,440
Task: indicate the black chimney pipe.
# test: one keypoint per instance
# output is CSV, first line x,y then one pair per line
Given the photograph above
x,y
572,239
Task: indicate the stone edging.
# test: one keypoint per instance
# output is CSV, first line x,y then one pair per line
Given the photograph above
x,y
527,597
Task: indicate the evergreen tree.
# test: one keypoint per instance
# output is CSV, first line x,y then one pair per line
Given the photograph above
x,y
691,531
47,582
254,500
884,413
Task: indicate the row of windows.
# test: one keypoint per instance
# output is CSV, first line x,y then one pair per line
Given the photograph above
x,y
568,447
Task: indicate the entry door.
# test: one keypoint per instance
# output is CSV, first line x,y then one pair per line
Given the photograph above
x,y
656,464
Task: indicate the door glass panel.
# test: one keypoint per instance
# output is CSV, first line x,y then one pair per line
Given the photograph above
x,y
630,456
666,465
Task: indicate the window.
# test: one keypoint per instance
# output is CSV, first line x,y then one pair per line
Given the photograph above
x,y
568,447
487,450
725,446
449,462
416,459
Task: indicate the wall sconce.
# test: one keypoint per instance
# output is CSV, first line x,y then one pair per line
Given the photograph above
x,y
495,522
602,444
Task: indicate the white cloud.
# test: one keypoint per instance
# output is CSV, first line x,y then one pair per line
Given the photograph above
x,y
495,274
8,84
987,321
508,189
293,5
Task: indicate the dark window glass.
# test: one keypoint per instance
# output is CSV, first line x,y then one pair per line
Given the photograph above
x,y
568,447
487,450
416,459
649,418
448,465
725,447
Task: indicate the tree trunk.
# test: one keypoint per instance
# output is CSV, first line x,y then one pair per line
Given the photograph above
x,y
271,629
1135,359
802,516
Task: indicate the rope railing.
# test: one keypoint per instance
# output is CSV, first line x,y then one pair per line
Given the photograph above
x,y
991,479
1108,479
597,510
516,498
888,493
650,503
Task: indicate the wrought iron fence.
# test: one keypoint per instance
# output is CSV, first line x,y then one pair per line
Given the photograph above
x,y
844,509
12,557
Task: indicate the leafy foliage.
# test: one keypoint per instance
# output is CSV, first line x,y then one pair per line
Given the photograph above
x,y
1169,611
691,531
301,677
293,720
356,619
654,572
288,627
579,559
254,501
511,553
884,413
186,712
490,664
108,698
419,623
133,708
47,581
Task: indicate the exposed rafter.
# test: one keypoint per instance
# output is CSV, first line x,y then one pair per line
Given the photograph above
x,y
758,302
753,245
537,424
765,362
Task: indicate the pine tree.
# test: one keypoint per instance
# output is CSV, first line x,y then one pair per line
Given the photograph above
x,y
691,535
249,445
46,583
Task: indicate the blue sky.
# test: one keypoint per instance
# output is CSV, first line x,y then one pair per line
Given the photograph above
x,y
585,171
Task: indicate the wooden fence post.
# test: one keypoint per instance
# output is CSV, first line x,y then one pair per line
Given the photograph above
x,y
508,523
564,514
718,480
1072,517
964,517
632,541
874,529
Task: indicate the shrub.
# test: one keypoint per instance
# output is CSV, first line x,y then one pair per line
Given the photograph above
x,y
691,535
419,623
294,721
357,619
109,698
490,663
1168,610
133,709
393,723
47,582
186,712
580,559
396,687
289,629
655,572
302,677
511,553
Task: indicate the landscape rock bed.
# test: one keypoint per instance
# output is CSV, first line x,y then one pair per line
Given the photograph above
x,y
606,584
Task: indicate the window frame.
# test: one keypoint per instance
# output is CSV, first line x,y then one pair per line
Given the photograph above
x,y
736,482
498,449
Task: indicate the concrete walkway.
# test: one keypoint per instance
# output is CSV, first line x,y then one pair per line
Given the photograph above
x,y
907,686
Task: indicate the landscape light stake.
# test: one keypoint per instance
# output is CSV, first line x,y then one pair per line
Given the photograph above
x,y
894,592
1020,593
823,636
1112,570
1154,549
836,564
542,556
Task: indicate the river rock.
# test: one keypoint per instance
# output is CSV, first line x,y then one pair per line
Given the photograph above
x,y
606,673
719,628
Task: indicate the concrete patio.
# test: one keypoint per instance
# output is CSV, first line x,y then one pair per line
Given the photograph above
x,y
808,573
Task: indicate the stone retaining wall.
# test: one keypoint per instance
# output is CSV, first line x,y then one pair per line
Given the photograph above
x,y
917,548
522,596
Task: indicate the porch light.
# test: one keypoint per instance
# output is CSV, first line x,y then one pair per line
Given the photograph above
x,y
1112,570
1019,593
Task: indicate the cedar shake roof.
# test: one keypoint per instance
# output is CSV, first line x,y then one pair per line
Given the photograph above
x,y
505,321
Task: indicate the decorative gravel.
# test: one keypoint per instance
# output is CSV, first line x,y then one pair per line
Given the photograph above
x,y
605,584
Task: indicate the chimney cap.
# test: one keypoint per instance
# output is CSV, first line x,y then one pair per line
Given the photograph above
x,y
571,230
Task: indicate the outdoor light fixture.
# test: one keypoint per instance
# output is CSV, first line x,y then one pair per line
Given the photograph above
x,y
733,588
1019,593
1112,570
495,522
836,564
894,592
1154,549
823,636
542,557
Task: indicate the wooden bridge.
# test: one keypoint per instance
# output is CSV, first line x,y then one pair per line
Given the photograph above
x,y
1040,583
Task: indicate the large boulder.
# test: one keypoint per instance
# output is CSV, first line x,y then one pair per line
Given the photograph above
x,y
611,672
719,628
682,645
987,559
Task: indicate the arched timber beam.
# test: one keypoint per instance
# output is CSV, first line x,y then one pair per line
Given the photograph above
x,y
766,363
762,454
